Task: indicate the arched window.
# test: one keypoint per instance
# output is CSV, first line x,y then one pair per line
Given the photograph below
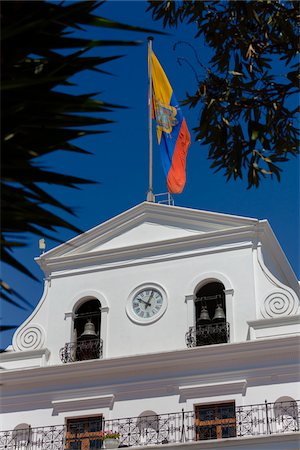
x,y
286,415
87,320
87,325
211,326
86,342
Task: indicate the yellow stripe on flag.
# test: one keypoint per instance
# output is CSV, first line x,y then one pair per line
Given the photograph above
x,y
162,90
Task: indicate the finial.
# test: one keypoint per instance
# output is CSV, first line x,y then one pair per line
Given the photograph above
x,y
150,197
42,245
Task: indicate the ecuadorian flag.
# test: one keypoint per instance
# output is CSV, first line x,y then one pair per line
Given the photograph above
x,y
172,132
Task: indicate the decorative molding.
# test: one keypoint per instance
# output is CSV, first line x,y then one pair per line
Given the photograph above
x,y
259,356
283,301
206,243
32,315
263,328
77,404
213,389
152,375
143,390
280,303
229,291
267,240
25,355
206,277
144,212
274,322
29,338
69,315
83,296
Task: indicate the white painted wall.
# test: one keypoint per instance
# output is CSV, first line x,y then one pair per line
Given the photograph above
x,y
39,417
179,267
123,337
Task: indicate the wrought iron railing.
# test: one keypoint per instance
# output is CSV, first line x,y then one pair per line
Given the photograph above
x,y
213,333
80,351
253,420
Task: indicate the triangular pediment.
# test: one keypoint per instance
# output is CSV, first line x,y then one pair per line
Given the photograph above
x,y
147,223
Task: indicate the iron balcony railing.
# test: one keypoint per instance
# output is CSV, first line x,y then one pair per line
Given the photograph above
x,y
81,351
179,427
213,333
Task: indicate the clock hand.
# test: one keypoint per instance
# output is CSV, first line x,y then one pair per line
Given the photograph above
x,y
150,298
146,303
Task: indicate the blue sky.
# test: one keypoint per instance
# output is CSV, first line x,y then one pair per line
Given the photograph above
x,y
120,157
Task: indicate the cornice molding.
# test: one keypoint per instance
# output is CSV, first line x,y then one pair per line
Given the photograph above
x,y
213,242
146,211
76,404
274,322
133,388
189,298
24,354
229,358
213,389
267,239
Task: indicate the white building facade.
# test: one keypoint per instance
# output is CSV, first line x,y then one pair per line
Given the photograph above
x,y
169,326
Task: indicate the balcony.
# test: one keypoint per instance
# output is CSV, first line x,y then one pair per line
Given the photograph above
x,y
180,427
81,351
213,333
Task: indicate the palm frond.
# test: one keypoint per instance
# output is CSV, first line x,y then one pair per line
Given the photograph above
x,y
38,119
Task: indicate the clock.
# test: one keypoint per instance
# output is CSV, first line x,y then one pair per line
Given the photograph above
x,y
146,305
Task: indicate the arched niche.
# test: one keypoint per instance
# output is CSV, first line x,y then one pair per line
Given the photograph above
x,y
86,342
207,277
87,302
21,435
148,426
210,284
286,414
210,297
87,319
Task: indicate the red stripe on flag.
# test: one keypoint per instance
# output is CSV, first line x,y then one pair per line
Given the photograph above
x,y
177,173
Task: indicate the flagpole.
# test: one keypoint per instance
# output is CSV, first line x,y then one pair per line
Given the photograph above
x,y
150,196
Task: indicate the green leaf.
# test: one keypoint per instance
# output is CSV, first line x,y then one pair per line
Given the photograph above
x,y
249,37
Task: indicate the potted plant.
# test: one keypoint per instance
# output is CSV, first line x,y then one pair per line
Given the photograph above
x,y
110,439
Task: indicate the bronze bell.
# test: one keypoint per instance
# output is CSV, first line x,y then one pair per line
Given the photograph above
x,y
219,314
89,331
204,316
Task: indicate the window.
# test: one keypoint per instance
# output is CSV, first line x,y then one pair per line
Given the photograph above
x,y
84,433
211,326
86,342
87,326
215,421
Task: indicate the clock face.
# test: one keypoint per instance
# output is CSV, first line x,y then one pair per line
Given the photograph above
x,y
146,304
